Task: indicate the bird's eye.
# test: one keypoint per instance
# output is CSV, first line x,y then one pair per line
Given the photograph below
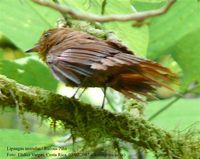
x,y
46,34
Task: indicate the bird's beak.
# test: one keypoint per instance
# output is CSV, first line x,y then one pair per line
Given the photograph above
x,y
34,49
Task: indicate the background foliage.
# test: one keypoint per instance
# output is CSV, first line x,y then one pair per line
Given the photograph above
x,y
172,39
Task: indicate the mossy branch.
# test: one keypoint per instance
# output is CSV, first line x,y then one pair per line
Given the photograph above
x,y
94,124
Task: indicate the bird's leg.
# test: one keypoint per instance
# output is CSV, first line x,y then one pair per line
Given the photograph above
x,y
104,96
84,89
81,84
110,103
73,97
108,100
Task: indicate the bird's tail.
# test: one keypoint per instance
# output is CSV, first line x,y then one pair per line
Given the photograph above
x,y
145,79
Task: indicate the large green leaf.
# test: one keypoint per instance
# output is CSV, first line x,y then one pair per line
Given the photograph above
x,y
14,142
182,114
29,71
94,6
186,53
22,21
149,1
146,6
167,30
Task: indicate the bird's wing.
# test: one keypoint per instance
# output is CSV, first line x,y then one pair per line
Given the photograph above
x,y
82,56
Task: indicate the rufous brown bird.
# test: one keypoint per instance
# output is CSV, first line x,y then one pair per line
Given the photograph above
x,y
82,60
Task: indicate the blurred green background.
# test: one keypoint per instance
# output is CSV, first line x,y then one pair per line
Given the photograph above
x,y
172,39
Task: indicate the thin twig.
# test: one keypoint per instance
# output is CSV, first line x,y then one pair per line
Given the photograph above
x,y
139,16
19,111
15,100
56,1
109,102
164,108
65,16
118,149
103,7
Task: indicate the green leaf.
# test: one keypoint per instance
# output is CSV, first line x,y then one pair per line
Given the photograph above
x,y
23,21
167,30
20,140
145,6
29,71
149,1
94,6
182,114
186,53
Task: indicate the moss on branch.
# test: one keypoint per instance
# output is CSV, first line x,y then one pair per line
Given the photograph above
x,y
94,124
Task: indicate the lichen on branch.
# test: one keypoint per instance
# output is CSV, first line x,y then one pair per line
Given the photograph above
x,y
96,125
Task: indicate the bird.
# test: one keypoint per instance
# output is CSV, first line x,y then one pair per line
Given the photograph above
x,y
79,59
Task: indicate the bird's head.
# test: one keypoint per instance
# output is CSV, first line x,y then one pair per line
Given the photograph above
x,y
48,39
